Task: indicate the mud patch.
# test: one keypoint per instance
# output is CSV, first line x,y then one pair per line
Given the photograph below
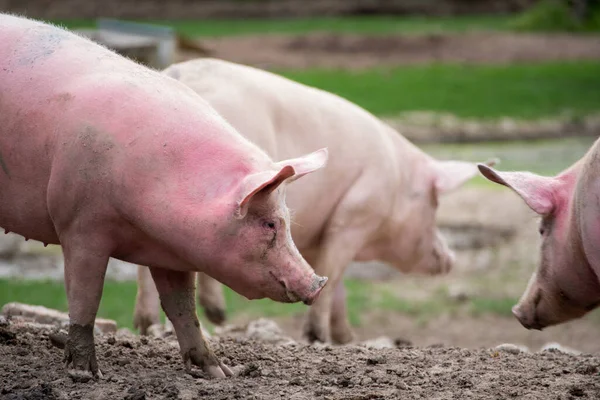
x,y
345,51
151,368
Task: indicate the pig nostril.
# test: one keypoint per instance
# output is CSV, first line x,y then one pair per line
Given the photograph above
x,y
323,281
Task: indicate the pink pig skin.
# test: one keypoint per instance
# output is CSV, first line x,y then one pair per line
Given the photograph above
x,y
375,200
566,284
110,159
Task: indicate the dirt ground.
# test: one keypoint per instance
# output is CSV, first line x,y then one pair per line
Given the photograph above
x,y
464,331
150,368
324,50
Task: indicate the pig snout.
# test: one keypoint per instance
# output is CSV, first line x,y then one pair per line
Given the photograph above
x,y
443,262
310,293
443,258
529,320
318,284
448,262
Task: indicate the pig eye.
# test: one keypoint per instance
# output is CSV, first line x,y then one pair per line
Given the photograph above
x,y
543,228
269,224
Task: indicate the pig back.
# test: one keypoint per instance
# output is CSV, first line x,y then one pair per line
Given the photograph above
x,y
288,119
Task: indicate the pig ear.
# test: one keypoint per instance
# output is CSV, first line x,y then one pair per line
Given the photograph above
x,y
451,175
535,190
306,164
262,182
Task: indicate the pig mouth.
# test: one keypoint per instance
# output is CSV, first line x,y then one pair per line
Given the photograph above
x,y
290,297
535,325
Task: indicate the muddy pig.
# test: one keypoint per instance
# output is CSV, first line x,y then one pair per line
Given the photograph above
x,y
375,200
110,159
566,284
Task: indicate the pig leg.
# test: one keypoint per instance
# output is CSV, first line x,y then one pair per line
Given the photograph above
x,y
147,302
176,290
341,333
85,269
347,231
210,297
332,261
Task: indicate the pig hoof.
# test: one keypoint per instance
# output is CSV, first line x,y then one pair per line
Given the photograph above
x,y
80,352
209,364
343,337
82,376
143,322
315,335
220,371
215,315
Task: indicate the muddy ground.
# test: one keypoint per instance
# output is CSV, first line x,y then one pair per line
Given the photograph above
x,y
345,51
150,368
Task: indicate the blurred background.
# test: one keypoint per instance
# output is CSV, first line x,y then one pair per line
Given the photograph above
x,y
464,79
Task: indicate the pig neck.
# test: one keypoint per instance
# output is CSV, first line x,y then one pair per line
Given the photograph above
x,y
413,167
584,209
578,255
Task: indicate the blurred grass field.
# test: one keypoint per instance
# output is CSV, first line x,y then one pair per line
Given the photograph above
x,y
374,25
118,300
486,92
525,91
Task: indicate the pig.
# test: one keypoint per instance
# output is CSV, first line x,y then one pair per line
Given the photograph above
x,y
375,200
566,284
108,158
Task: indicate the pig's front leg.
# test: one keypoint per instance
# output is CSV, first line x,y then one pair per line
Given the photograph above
x,y
210,297
147,303
333,259
85,268
176,290
341,333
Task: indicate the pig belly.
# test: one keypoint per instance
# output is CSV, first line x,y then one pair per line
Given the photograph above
x,y
23,205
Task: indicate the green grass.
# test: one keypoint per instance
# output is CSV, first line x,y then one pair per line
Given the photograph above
x,y
118,300
555,16
496,306
544,157
520,91
366,25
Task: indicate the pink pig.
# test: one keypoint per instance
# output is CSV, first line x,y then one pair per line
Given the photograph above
x,y
375,200
110,159
566,284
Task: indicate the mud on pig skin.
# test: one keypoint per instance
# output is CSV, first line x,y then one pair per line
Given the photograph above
x,y
375,200
566,284
110,159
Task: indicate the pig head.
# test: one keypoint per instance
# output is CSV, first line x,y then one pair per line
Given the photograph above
x,y
256,255
566,284
410,240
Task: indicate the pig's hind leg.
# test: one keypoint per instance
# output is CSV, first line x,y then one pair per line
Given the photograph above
x,y
176,290
210,297
147,303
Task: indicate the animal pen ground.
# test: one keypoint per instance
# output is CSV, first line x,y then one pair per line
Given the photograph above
x,y
440,333
148,368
